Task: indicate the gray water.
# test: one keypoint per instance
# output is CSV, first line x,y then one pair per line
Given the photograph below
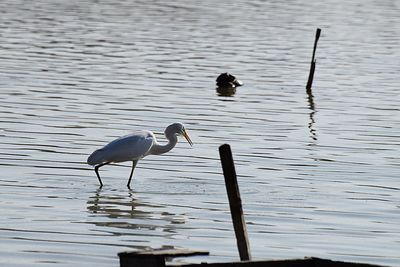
x,y
319,175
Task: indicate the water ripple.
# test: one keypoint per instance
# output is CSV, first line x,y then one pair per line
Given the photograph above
x,y
318,173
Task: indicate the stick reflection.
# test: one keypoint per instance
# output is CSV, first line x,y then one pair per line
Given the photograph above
x,y
311,106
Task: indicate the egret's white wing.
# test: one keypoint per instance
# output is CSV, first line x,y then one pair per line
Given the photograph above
x,y
127,148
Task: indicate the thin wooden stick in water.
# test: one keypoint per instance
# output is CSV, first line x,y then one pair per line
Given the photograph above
x,y
235,202
313,61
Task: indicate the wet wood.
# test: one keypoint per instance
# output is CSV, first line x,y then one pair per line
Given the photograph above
x,y
313,62
235,202
157,258
307,262
154,257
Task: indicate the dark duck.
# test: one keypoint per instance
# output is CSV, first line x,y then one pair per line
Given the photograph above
x,y
228,80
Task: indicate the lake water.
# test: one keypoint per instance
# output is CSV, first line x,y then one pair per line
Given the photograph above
x,y
319,175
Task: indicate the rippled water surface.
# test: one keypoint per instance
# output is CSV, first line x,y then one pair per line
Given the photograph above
x,y
319,174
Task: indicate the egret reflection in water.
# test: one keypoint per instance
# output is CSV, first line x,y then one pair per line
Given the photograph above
x,y
116,210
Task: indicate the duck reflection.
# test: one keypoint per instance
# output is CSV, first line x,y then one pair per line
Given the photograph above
x,y
226,91
125,211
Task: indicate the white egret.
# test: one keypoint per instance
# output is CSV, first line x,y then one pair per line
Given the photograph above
x,y
135,146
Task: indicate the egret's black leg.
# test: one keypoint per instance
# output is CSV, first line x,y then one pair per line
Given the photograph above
x,y
130,176
96,169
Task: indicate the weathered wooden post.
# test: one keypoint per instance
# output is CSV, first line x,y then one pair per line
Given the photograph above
x,y
235,202
313,62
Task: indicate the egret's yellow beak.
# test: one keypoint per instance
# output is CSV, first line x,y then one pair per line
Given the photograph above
x,y
185,134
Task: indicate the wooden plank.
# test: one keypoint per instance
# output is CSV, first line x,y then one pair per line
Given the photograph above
x,y
307,262
170,252
235,202
154,257
126,260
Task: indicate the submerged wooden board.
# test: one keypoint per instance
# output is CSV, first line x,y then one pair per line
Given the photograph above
x,y
307,262
157,258
172,252
154,257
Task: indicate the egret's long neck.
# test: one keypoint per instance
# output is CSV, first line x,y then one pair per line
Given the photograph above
x,y
158,149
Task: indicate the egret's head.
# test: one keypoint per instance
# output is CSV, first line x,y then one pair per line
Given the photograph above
x,y
178,129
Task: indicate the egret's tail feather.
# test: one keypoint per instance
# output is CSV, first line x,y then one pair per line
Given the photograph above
x,y
96,158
